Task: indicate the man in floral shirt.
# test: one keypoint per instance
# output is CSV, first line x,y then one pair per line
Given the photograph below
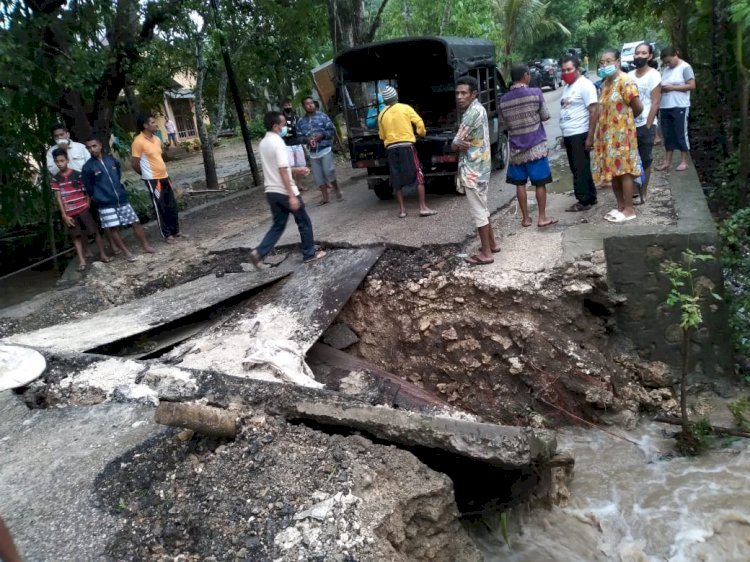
x,y
472,142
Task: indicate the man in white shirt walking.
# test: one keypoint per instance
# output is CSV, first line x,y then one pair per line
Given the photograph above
x,y
282,193
77,153
578,109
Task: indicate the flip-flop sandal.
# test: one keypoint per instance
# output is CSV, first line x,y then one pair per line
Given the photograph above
x,y
105,260
577,208
614,217
427,213
81,268
131,258
526,225
681,168
320,204
611,214
550,223
474,261
402,215
622,218
496,250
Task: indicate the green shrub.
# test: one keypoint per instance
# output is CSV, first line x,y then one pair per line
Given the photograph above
x,y
735,234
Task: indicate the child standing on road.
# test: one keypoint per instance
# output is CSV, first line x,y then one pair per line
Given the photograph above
x,y
74,207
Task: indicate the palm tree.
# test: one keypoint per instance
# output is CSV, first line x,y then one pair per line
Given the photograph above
x,y
524,20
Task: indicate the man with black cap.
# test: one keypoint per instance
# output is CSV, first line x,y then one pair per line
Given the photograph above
x,y
396,125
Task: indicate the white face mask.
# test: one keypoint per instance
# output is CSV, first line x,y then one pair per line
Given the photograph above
x,y
63,142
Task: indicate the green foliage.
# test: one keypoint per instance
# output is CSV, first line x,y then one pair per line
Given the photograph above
x,y
685,293
257,128
740,410
735,234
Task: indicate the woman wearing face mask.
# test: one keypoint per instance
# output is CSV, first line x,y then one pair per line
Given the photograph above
x,y
615,145
677,80
648,81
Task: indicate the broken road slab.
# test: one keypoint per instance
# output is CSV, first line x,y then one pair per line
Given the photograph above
x,y
268,338
145,314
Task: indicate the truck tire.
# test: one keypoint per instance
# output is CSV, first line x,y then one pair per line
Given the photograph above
x,y
500,153
382,188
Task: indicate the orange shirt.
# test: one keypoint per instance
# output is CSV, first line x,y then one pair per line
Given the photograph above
x,y
148,151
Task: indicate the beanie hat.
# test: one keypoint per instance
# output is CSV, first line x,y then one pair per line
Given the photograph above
x,y
389,94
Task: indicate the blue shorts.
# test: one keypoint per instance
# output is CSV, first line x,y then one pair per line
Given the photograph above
x,y
538,171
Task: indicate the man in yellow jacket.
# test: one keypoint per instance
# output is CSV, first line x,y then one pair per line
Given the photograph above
x,y
396,124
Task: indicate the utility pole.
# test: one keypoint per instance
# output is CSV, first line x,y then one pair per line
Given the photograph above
x,y
235,94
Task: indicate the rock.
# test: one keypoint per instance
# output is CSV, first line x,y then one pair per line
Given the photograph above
x,y
655,374
450,334
516,367
424,324
340,336
288,538
247,267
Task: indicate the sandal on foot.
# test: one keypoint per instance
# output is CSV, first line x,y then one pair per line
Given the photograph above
x,y
621,218
496,250
256,260
681,168
546,224
476,260
402,215
81,267
105,259
321,203
578,207
427,213
131,258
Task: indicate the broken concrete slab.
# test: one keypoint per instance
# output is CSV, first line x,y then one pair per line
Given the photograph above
x,y
497,445
142,315
268,338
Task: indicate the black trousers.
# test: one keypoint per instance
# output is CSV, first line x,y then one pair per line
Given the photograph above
x,y
579,160
165,205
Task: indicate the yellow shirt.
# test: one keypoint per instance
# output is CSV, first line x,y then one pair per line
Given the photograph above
x,y
396,123
148,151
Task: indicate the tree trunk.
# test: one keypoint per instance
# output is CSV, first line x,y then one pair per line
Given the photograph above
x,y
207,147
376,22
346,22
684,380
445,22
407,18
718,66
221,108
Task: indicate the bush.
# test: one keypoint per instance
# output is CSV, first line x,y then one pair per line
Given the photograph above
x,y
735,234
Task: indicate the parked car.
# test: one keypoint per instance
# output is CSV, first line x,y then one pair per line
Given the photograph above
x,y
424,70
550,74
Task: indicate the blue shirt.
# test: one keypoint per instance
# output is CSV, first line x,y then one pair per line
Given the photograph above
x,y
103,182
319,123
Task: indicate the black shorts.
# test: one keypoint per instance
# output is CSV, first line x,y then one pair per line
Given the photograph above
x,y
84,224
646,144
403,164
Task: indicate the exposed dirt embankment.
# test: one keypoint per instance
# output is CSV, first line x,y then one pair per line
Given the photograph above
x,y
530,353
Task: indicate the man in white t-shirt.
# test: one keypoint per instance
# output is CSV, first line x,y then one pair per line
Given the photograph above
x,y
77,153
578,108
648,81
677,80
281,192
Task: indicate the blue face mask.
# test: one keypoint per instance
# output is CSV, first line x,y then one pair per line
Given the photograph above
x,y
284,131
606,71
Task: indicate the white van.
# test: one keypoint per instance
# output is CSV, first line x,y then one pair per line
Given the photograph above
x,y
627,55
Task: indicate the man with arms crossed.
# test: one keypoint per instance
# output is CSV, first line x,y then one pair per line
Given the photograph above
x,y
475,165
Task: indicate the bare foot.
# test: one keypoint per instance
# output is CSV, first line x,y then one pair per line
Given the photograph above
x,y
548,222
662,167
150,250
105,258
682,167
170,240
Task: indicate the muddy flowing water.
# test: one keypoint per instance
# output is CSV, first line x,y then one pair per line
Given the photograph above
x,y
631,504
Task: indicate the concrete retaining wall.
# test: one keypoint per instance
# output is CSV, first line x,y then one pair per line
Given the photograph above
x,y
633,262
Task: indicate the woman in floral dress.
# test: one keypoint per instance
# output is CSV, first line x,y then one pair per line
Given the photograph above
x,y
615,142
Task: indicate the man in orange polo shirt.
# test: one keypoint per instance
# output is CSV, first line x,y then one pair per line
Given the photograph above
x,y
146,159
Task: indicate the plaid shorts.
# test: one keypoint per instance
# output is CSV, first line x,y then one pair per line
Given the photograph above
x,y
117,216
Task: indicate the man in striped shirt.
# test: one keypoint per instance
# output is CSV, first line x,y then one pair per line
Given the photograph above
x,y
522,110
74,206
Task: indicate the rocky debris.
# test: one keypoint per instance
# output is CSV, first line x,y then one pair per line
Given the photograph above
x,y
249,500
507,350
339,336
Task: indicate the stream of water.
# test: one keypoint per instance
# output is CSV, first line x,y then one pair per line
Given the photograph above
x,y
630,503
